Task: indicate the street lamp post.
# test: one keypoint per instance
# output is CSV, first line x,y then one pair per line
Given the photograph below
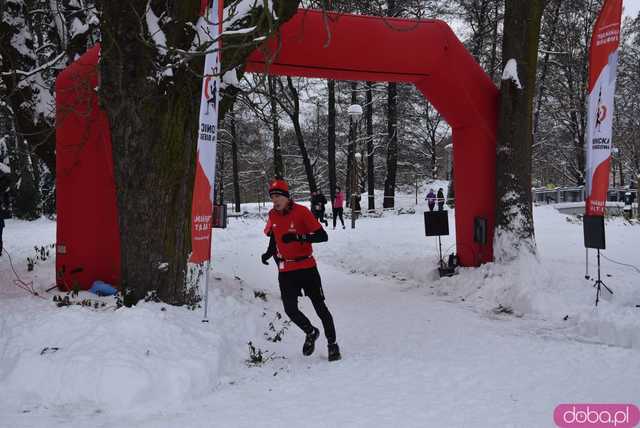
x,y
614,158
355,113
355,197
449,149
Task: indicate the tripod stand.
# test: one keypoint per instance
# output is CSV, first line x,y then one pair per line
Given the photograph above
x,y
436,223
599,283
440,252
446,268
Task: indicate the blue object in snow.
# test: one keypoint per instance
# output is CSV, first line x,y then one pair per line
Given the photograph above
x,y
102,289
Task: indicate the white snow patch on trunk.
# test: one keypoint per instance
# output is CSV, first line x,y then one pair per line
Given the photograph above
x,y
158,36
230,78
510,72
203,34
77,28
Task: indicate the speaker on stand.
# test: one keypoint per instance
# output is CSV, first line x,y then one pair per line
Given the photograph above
x,y
436,223
594,238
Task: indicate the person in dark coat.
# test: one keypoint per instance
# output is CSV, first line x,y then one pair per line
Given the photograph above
x,y
441,199
318,206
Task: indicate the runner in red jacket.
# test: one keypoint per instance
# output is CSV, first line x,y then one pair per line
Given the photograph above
x,y
291,229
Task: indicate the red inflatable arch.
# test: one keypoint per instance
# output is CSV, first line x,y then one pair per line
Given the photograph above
x,y
425,53
87,236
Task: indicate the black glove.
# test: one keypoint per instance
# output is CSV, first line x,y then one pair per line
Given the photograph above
x,y
290,237
264,258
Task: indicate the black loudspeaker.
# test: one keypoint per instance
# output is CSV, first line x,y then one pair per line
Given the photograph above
x,y
219,217
436,223
480,230
594,231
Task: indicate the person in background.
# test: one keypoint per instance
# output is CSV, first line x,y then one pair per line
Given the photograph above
x,y
441,199
318,203
338,207
431,199
292,229
312,205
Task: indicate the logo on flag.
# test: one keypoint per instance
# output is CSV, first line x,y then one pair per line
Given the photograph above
x,y
210,92
602,111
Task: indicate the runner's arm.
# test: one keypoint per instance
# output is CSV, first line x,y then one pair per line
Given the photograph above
x,y
271,251
320,235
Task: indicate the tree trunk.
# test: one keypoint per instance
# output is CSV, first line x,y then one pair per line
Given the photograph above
x,y
392,147
578,145
331,137
432,140
543,73
278,163
370,160
351,148
478,38
234,160
433,152
218,197
451,192
392,131
514,220
26,204
153,133
494,41
154,125
295,118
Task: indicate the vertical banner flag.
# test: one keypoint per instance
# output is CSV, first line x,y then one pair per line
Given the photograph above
x,y
603,62
202,203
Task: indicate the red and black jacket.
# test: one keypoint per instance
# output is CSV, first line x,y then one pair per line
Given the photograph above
x,y
302,229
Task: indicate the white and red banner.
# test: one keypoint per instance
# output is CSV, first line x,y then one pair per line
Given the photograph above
x,y
603,62
202,203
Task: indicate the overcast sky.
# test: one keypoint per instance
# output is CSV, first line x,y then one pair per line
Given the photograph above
x,y
631,7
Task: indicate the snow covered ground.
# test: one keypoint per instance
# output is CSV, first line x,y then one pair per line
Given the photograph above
x,y
489,347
